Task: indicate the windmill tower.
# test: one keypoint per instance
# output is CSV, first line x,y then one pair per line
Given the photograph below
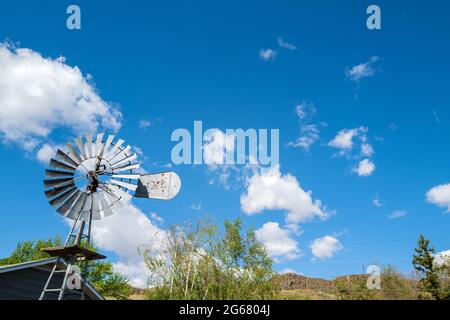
x,y
88,182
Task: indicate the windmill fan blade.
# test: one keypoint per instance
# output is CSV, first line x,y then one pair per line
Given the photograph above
x,y
56,191
62,197
95,207
73,153
120,155
107,145
114,148
64,157
118,193
80,146
114,199
59,165
89,145
75,211
86,210
54,183
49,173
123,161
126,176
106,208
125,185
66,206
127,167
98,145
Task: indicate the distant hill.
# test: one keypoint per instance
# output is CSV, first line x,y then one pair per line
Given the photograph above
x,y
293,281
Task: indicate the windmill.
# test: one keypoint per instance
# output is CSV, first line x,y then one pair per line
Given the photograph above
x,y
89,181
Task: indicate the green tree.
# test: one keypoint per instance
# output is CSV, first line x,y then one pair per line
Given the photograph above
x,y
444,277
394,286
30,251
353,288
195,262
423,262
99,273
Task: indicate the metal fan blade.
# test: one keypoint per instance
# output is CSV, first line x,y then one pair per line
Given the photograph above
x,y
49,173
64,157
117,194
126,176
89,145
125,196
55,183
123,161
56,191
114,199
99,145
128,186
73,153
87,207
66,206
95,207
80,146
128,167
75,211
106,208
106,145
59,165
114,147
62,197
120,155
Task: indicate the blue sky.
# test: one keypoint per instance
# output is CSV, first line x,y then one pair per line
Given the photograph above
x,y
171,63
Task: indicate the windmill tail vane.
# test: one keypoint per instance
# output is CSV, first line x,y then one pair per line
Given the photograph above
x,y
89,180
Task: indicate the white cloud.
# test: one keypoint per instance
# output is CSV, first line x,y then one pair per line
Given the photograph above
x,y
215,148
46,152
365,168
396,214
124,233
38,95
442,257
344,138
305,110
366,150
196,206
270,190
156,218
289,270
377,201
144,123
285,45
309,133
345,141
325,247
277,241
440,196
267,54
362,70
435,116
216,145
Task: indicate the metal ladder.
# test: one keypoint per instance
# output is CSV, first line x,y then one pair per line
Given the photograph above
x,y
63,289
74,237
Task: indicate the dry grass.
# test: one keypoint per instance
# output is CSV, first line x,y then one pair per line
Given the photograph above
x,y
305,294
